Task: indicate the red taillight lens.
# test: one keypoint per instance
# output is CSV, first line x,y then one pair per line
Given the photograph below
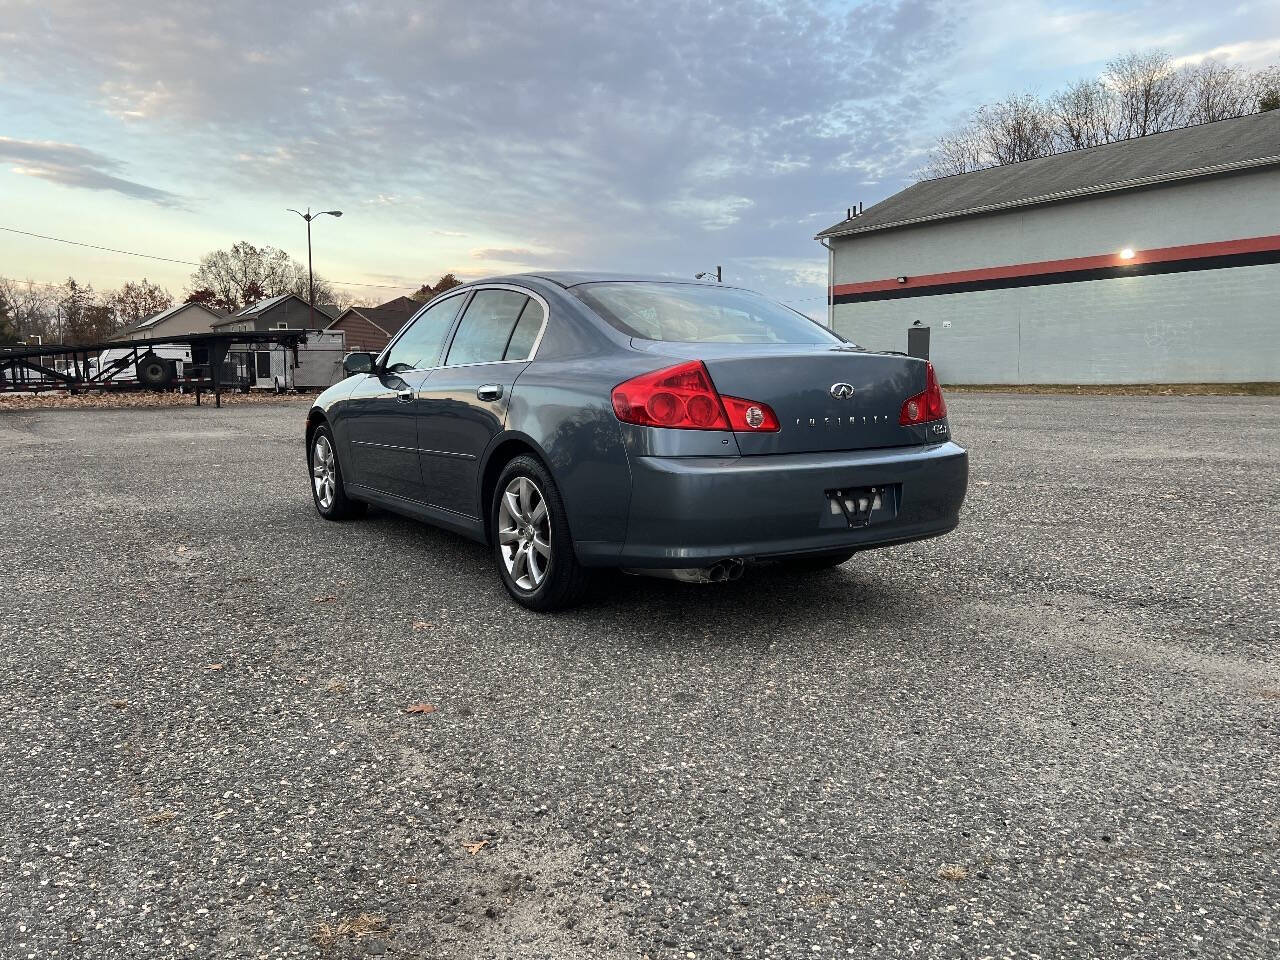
x,y
684,398
748,416
925,406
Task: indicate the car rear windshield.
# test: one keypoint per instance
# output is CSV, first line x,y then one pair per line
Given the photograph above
x,y
698,313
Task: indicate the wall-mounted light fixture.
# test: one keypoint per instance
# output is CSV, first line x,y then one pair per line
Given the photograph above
x,y
1126,253
902,279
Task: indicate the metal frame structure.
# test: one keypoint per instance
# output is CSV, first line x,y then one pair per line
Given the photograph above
x,y
61,367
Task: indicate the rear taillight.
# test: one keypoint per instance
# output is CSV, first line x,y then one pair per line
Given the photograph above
x,y
927,405
748,416
684,398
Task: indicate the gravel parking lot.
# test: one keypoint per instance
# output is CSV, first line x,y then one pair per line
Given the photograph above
x,y
1053,733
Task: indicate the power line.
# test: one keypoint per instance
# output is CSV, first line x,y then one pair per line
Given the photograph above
x,y
94,246
185,263
31,283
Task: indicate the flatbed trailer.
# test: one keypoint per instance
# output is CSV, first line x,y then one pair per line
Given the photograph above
x,y
77,369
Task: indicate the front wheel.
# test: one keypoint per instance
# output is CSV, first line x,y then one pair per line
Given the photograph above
x,y
531,539
327,490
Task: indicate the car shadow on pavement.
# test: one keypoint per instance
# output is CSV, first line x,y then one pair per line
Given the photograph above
x,y
772,591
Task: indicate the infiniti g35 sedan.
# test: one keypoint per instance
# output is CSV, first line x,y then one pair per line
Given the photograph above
x,y
577,421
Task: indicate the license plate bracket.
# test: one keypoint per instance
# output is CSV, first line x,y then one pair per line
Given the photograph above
x,y
857,504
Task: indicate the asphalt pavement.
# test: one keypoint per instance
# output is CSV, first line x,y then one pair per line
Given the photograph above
x,y
1053,733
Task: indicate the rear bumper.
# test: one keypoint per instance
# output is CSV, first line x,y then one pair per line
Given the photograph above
x,y
686,511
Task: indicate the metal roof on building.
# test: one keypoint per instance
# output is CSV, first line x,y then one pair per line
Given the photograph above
x,y
163,315
1207,149
255,310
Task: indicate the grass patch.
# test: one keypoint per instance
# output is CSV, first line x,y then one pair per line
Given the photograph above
x,y
1263,389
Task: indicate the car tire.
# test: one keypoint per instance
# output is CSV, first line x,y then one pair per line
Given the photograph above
x,y
327,489
822,561
531,541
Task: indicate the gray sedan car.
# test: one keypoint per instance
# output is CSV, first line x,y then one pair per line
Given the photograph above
x,y
577,421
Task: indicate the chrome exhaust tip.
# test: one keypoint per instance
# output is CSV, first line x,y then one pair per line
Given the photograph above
x,y
722,571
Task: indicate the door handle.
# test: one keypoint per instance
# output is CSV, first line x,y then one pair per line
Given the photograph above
x,y
404,396
490,391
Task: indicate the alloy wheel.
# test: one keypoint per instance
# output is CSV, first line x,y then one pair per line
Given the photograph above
x,y
323,474
524,533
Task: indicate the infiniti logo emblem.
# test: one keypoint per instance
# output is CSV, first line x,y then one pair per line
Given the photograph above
x,y
842,391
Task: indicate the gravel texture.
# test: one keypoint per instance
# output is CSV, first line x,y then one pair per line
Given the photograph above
x,y
1053,733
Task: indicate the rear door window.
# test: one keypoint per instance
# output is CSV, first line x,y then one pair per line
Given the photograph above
x,y
525,335
486,328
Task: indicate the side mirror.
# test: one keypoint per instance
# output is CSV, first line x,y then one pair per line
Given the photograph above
x,y
358,363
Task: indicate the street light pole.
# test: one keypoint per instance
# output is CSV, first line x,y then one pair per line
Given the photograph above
x,y
311,280
707,273
311,276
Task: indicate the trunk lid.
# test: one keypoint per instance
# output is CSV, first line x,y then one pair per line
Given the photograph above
x,y
797,381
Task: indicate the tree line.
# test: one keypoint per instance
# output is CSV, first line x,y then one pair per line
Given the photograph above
x,y
1137,94
229,280
73,312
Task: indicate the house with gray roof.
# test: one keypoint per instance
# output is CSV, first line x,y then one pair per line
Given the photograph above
x,y
177,320
1155,259
285,312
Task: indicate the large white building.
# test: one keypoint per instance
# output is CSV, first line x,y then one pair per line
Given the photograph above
x,y
1146,261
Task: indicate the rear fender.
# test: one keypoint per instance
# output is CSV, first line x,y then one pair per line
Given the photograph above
x,y
562,410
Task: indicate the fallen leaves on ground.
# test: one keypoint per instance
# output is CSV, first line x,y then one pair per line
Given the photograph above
x,y
474,848
364,925
328,598
118,704
215,666
953,872
136,399
420,708
422,624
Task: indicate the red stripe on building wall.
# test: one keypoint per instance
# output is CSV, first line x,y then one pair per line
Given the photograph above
x,y
1191,251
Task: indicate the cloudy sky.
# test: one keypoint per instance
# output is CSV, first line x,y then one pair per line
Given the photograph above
x,y
659,136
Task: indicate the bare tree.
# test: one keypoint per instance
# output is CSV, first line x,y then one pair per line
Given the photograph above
x,y
1136,95
31,308
1016,128
137,300
244,274
1216,91
8,329
1151,94
1265,89
1082,115
84,319
959,151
